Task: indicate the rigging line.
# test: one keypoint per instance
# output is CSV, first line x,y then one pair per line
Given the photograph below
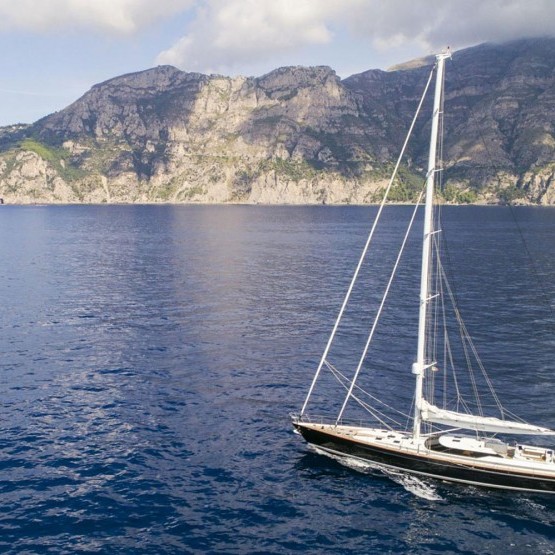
x,y
449,270
447,352
435,251
497,172
378,415
439,283
435,336
445,243
343,380
533,265
468,340
492,165
449,362
438,316
374,412
409,417
337,372
366,246
380,309
465,336
447,344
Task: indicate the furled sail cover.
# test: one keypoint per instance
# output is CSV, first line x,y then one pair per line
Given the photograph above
x,y
431,413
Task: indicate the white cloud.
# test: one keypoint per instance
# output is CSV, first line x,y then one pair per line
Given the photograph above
x,y
227,35
119,16
434,24
232,33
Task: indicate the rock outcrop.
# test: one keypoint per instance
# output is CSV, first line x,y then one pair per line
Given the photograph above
x,y
295,135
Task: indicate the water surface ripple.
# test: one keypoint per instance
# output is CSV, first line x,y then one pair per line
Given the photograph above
x,y
150,356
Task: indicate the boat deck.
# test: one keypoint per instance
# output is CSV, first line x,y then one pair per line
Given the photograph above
x,y
485,454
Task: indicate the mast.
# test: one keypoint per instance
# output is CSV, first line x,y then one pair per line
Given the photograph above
x,y
419,367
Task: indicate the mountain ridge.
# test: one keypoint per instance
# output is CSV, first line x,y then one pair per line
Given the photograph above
x,y
294,135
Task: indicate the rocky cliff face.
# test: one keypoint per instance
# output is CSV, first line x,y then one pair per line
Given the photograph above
x,y
295,135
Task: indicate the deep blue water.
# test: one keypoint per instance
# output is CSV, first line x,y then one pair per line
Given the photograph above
x,y
150,356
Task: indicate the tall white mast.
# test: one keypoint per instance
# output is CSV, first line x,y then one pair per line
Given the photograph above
x,y
419,367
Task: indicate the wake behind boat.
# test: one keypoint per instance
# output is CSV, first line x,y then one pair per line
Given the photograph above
x,y
450,436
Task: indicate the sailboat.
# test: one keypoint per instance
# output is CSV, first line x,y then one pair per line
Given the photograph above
x,y
460,442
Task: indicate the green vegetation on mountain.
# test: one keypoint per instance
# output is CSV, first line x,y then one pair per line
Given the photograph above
x,y
295,135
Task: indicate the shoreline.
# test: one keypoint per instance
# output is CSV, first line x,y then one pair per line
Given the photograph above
x,y
269,205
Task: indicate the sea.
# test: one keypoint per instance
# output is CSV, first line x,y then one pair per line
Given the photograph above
x,y
150,357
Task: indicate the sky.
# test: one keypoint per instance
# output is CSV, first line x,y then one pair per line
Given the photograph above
x,y
53,51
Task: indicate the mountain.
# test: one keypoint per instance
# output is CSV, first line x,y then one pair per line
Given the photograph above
x,y
295,135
